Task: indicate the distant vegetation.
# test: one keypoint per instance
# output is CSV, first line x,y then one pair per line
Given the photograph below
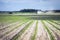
x,y
29,11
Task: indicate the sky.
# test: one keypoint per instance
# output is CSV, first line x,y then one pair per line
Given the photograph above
x,y
16,5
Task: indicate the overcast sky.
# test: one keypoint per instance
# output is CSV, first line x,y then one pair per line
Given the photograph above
x,y
15,5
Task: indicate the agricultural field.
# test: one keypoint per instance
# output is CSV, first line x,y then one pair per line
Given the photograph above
x,y
17,27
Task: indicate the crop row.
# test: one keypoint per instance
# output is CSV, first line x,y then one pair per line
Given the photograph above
x,y
31,30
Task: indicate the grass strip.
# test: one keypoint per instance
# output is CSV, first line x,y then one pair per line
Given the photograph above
x,y
21,32
49,32
6,18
